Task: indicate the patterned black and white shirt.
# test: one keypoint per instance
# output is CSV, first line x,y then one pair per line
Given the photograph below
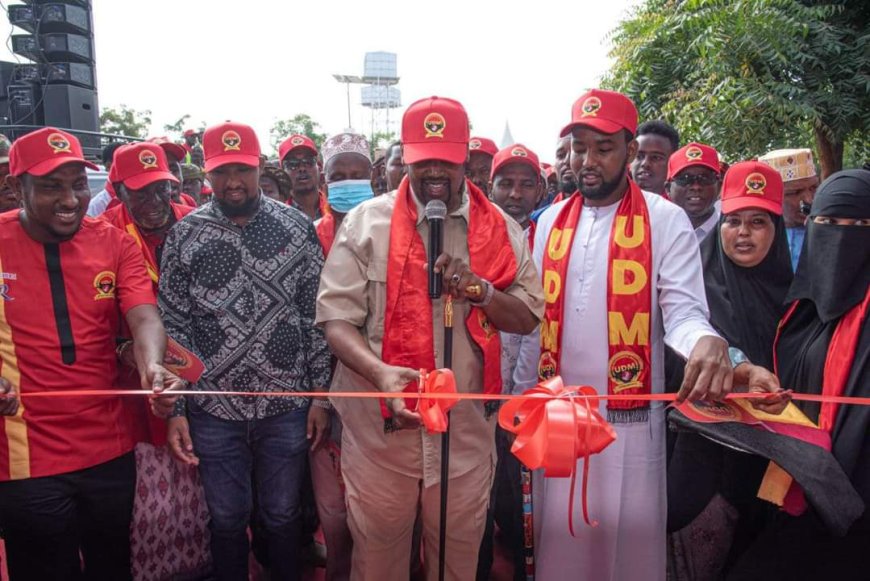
x,y
243,300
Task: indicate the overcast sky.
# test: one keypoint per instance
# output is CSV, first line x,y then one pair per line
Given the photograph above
x,y
256,61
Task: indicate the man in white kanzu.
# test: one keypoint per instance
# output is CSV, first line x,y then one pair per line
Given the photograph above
x,y
622,275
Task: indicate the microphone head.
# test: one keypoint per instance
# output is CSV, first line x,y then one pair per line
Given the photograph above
x,y
435,210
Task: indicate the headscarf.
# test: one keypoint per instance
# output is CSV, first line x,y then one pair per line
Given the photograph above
x,y
281,178
746,304
834,267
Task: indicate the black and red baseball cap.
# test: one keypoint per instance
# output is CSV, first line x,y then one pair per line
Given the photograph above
x,y
230,143
603,111
752,184
482,145
693,154
43,151
294,142
516,153
139,164
435,128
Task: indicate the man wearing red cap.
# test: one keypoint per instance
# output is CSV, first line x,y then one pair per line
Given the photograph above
x,y
67,472
479,167
383,328
693,184
238,288
175,156
299,158
621,274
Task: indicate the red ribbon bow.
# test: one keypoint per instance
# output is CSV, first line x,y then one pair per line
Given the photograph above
x,y
554,430
434,411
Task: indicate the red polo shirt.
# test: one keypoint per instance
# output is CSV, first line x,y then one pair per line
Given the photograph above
x,y
60,311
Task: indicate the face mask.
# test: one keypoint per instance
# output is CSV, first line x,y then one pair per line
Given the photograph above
x,y
345,195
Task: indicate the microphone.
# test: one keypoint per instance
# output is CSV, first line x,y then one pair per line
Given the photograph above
x,y
435,213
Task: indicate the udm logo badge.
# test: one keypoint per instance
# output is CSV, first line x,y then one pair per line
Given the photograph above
x,y
148,159
590,107
105,285
232,141
694,153
755,183
434,124
59,143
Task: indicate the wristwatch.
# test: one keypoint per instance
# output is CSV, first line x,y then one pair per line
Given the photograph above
x,y
322,403
737,357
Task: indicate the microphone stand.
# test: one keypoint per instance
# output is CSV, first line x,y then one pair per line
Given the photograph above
x,y
445,438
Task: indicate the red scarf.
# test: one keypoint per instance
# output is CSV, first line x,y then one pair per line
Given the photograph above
x,y
120,218
840,357
326,232
629,300
532,228
408,340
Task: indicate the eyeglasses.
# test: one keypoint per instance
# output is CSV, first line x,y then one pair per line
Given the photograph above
x,y
704,179
294,164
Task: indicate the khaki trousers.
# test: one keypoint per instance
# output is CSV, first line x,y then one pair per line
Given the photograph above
x,y
382,507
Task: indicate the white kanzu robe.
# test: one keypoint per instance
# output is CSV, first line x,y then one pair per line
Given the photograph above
x,y
627,481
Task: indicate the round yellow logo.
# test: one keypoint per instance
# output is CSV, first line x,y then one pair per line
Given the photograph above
x,y
625,369
474,144
546,365
519,152
296,141
58,143
434,125
591,107
105,285
231,141
694,153
148,159
755,183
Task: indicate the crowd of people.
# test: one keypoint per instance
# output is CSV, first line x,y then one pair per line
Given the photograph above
x,y
633,264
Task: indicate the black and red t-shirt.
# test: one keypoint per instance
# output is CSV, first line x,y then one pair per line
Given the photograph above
x,y
60,311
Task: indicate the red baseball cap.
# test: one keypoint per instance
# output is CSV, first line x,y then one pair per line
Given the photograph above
x,y
435,128
43,151
295,141
604,111
482,145
140,164
170,148
230,143
189,132
752,184
693,154
516,153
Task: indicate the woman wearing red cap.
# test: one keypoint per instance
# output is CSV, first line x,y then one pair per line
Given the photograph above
x,y
747,273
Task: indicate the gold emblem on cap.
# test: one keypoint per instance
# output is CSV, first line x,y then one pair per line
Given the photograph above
x,y
694,153
755,183
231,140
590,107
297,141
519,152
148,159
58,143
434,125
474,144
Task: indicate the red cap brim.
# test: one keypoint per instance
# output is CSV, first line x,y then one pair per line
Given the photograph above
x,y
219,160
449,152
142,180
49,165
176,150
516,159
744,202
601,125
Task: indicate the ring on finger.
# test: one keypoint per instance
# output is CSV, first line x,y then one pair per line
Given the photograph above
x,y
455,278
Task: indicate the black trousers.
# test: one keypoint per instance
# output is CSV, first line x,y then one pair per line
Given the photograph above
x,y
73,526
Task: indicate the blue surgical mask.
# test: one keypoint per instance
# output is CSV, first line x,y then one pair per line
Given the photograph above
x,y
345,195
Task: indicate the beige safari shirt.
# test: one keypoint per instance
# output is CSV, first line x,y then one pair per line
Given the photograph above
x,y
353,289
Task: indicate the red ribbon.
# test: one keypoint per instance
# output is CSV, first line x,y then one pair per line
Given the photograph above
x,y
433,411
555,426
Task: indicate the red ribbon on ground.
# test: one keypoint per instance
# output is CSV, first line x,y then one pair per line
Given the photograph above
x,y
555,427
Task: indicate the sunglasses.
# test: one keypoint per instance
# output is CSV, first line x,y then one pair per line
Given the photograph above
x,y
703,179
295,164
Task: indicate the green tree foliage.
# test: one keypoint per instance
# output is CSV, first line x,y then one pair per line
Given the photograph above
x,y
124,120
301,124
751,75
178,127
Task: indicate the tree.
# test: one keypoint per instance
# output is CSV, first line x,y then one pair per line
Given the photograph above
x,y
380,140
179,126
301,124
750,75
125,121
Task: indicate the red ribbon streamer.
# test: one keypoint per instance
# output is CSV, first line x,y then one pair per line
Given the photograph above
x,y
433,411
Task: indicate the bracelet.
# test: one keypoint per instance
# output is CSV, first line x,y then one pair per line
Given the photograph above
x,y
322,403
737,357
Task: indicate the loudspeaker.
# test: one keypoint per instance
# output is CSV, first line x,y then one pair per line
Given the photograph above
x,y
71,107
23,104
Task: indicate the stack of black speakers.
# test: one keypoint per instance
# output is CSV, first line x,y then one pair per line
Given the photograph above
x,y
57,84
